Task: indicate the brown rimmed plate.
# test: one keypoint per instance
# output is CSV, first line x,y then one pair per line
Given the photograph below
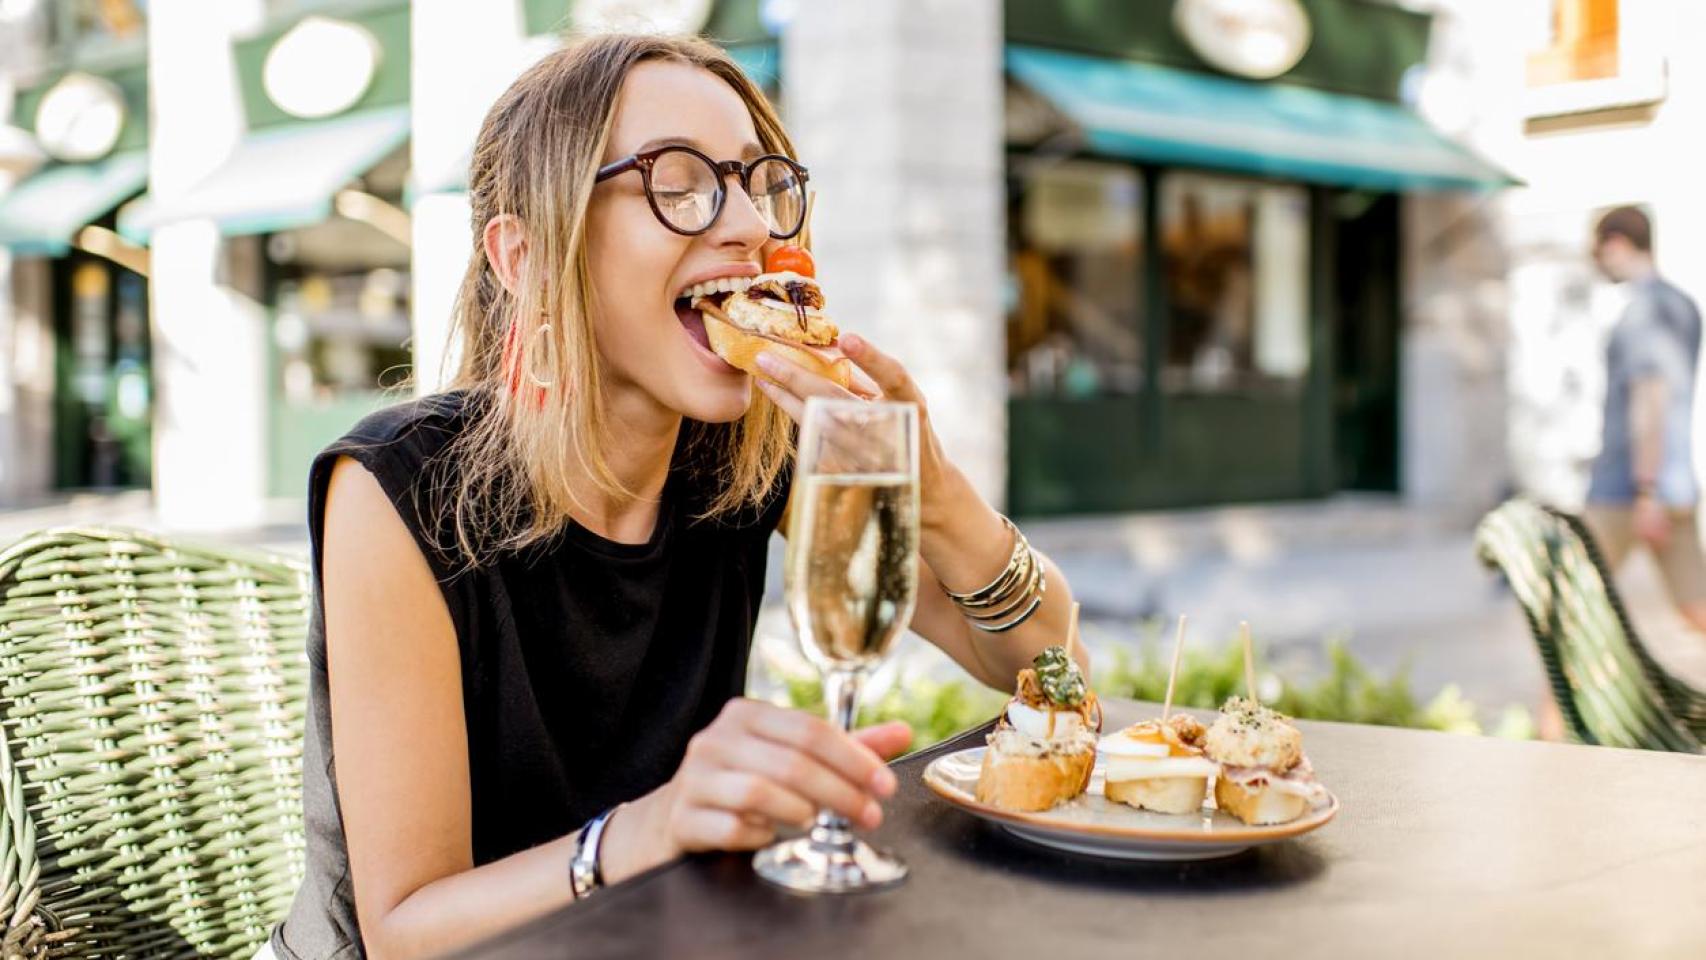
x,y
1096,826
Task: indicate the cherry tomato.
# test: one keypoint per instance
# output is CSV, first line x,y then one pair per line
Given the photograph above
x,y
791,259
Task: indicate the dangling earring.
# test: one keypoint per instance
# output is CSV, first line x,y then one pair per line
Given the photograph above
x,y
527,357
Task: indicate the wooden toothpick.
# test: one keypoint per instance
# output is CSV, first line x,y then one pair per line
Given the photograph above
x,y
1173,674
1249,661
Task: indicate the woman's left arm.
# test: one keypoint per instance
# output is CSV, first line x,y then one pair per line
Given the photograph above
x,y
964,543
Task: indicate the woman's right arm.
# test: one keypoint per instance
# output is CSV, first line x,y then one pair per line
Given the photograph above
x,y
401,748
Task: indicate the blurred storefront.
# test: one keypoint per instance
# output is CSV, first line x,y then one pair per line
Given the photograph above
x,y
1204,206
1139,255
76,391
309,205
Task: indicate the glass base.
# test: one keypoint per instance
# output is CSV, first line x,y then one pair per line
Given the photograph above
x,y
806,865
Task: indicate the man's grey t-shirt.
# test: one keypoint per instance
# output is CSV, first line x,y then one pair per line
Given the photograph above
x,y
1657,336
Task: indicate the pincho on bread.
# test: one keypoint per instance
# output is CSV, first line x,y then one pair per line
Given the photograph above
x,y
1158,765
1264,776
780,310
1042,750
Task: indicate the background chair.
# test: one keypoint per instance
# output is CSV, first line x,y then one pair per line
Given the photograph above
x,y
151,705
1608,687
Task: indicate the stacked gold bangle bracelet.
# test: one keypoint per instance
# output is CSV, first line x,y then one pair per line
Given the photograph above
x,y
1013,596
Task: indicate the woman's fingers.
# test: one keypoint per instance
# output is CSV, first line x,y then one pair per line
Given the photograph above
x,y
826,743
711,828
796,379
760,800
886,739
802,775
885,371
791,405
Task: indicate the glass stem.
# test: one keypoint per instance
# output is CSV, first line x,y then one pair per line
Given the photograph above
x,y
841,696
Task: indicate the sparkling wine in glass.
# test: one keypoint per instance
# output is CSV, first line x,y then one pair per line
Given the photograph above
x,y
851,581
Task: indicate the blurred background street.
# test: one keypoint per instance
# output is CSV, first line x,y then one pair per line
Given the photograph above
x,y
1246,309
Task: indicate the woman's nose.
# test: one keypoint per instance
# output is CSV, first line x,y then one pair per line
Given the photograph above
x,y
741,222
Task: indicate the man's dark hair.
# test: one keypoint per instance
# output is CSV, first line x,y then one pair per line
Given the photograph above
x,y
1630,223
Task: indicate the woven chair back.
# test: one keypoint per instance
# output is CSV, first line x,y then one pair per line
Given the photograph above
x,y
151,700
1609,689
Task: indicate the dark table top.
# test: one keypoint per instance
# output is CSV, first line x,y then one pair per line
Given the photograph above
x,y
1446,846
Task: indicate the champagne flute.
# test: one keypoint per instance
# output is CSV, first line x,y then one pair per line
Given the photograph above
x,y
851,581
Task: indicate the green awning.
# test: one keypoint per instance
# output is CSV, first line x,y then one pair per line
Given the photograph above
x,y
41,215
761,61
278,178
1163,115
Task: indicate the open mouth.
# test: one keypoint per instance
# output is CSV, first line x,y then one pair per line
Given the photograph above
x,y
693,321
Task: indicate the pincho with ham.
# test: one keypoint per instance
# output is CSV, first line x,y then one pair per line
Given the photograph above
x,y
1264,776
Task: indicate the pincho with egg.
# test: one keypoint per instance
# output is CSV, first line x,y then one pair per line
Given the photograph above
x,y
1042,750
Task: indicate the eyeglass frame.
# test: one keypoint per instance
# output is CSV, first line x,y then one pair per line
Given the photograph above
x,y
723,169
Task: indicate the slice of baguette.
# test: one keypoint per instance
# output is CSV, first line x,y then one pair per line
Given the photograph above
x,y
1161,794
1017,782
741,349
1259,807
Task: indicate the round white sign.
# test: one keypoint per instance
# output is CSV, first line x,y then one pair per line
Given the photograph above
x,y
1259,39
80,118
320,67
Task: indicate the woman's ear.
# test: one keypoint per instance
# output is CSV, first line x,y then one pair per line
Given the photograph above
x,y
505,239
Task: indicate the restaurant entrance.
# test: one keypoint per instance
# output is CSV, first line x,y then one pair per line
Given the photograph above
x,y
1365,324
102,387
1162,337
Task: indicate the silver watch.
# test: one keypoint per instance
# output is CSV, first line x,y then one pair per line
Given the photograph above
x,y
585,875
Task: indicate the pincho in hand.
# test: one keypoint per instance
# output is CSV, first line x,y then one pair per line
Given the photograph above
x,y
1044,747
780,311
1264,776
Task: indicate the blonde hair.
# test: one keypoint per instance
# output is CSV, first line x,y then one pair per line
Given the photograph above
x,y
537,153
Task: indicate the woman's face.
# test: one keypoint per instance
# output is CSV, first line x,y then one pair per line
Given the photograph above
x,y
640,267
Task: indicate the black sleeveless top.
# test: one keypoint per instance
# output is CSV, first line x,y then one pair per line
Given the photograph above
x,y
586,664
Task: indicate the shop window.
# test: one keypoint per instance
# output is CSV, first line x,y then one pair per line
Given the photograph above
x,y
88,27
341,335
341,327
1583,44
1235,257
1074,324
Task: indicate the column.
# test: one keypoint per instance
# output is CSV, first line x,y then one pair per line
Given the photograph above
x,y
896,107
463,56
209,341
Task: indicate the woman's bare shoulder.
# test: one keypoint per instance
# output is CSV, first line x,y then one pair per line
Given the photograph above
x,y
367,546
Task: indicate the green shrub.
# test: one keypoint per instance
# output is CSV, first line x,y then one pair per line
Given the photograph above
x,y
1349,691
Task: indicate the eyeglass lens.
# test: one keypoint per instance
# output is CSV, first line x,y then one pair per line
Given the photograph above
x,y
686,191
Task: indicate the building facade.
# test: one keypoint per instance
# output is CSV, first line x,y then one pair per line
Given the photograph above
x,y
1138,255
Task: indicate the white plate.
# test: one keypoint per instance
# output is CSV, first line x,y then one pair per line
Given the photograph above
x,y
1094,825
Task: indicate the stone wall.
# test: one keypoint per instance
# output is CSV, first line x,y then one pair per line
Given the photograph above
x,y
895,105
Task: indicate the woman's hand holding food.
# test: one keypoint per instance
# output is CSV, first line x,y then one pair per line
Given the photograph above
x,y
756,769
964,543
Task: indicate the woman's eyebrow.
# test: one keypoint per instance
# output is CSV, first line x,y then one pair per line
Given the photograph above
x,y
747,152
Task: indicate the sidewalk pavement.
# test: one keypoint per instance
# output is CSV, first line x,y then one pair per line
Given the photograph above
x,y
1398,584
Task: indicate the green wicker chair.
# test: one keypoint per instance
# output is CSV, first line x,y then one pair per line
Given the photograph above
x,y
1608,687
151,701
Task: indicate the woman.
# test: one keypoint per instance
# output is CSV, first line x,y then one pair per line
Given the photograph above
x,y
537,591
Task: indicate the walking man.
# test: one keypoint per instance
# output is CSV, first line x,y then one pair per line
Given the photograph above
x,y
1643,489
